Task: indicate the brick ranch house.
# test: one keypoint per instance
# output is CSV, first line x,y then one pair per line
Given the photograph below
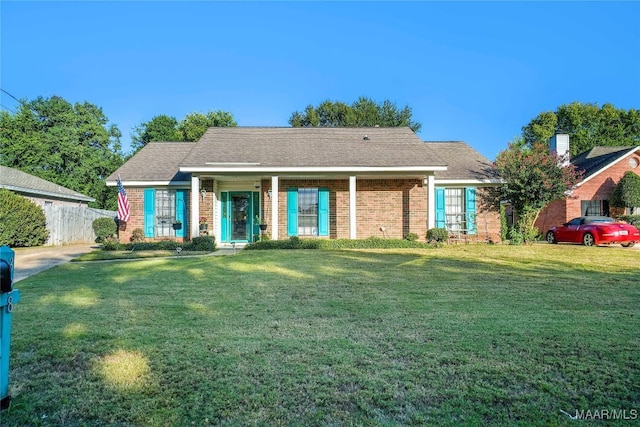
x,y
309,182
602,169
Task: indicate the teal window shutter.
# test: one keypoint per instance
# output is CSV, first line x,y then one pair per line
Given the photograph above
x,y
149,212
292,211
440,213
323,212
255,211
470,197
181,211
224,224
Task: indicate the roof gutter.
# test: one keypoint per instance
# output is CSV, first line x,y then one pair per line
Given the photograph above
x,y
79,197
312,169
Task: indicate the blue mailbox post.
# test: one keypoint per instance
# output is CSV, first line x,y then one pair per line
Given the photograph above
x,y
8,297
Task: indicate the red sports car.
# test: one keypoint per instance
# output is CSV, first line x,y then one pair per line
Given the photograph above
x,y
594,230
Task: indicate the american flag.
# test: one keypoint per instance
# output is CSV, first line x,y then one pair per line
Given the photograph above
x,y
123,203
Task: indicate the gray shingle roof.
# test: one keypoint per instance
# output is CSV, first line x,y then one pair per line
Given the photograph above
x,y
156,161
22,182
274,147
463,162
312,147
597,158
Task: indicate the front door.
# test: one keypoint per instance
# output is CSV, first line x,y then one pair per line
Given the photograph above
x,y
237,216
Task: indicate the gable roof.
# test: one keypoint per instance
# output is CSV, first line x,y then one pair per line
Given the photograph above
x,y
273,149
463,163
258,148
597,159
24,183
155,162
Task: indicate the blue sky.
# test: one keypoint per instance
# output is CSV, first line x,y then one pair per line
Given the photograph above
x,y
472,71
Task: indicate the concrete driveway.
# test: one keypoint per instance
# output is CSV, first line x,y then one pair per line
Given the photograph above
x,y
30,261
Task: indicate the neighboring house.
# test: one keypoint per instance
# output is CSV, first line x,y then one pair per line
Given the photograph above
x,y
602,168
308,182
69,219
40,191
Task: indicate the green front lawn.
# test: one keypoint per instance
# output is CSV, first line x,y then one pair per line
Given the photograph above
x,y
459,335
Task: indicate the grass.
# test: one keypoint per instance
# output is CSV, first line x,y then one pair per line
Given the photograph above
x,y
101,255
459,335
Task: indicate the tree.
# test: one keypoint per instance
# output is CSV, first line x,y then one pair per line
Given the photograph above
x,y
165,128
587,126
626,194
533,179
362,113
159,128
71,145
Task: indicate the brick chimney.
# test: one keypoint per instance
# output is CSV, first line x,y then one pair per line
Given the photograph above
x,y
559,145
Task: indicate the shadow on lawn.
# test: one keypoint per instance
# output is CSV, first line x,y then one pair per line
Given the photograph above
x,y
176,341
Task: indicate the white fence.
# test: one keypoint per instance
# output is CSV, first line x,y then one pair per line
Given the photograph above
x,y
72,224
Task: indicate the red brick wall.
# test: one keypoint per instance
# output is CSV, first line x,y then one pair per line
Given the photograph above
x,y
399,205
136,219
487,220
597,188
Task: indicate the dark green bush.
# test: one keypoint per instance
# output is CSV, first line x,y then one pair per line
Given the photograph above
x,y
412,237
202,243
113,244
103,228
22,222
370,243
437,235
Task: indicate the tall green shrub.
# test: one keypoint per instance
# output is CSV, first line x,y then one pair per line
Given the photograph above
x,y
22,222
626,193
104,228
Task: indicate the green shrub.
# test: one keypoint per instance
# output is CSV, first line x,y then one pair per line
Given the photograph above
x,y
412,237
112,244
336,244
22,222
202,243
631,219
437,235
137,235
516,237
103,228
504,228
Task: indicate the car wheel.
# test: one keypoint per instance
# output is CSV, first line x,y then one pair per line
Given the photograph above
x,y
588,239
551,238
628,245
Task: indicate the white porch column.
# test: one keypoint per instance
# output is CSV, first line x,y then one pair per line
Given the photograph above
x,y
274,207
431,202
352,207
195,206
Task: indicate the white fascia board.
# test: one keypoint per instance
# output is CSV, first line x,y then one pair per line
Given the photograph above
x,y
490,182
631,151
79,197
312,169
150,183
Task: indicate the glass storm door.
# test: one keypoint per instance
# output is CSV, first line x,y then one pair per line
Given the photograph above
x,y
239,209
240,216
